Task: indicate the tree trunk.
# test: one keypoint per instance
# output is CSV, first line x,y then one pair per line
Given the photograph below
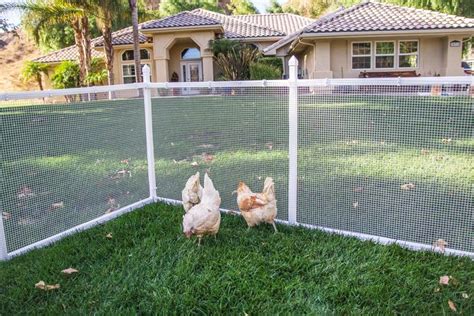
x,y
40,81
136,40
76,26
109,50
86,38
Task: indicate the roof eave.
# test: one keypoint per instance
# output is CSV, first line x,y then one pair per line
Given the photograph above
x,y
259,38
142,44
446,31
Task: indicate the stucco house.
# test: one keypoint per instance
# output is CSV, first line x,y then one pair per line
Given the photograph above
x,y
368,39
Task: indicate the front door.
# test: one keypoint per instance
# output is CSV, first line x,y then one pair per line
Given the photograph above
x,y
191,71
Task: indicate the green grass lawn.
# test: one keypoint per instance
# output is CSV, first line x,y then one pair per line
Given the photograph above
x,y
354,154
149,267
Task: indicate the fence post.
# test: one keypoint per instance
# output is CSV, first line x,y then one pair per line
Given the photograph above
x,y
3,241
150,151
293,140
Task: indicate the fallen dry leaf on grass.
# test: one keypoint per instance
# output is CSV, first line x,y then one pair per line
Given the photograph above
x,y
125,161
355,204
70,271
108,236
464,295
446,140
194,164
353,142
46,287
441,244
407,186
444,280
452,306
437,290
180,161
207,157
112,202
124,172
25,192
6,215
57,205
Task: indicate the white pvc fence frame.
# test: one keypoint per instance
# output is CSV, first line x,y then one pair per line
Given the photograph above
x,y
292,83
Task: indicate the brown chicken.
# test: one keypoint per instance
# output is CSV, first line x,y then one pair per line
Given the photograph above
x,y
205,217
258,208
192,192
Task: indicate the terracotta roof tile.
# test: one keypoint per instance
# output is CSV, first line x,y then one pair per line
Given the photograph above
x,y
68,53
286,23
374,16
180,20
122,37
235,28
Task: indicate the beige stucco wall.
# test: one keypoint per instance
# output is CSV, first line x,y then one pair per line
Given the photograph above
x,y
167,48
333,57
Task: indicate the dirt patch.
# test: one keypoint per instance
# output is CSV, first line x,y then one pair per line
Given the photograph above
x,y
14,51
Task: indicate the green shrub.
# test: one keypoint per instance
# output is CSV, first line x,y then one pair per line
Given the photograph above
x,y
66,75
98,74
260,71
273,61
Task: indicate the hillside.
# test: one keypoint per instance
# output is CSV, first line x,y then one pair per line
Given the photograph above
x,y
14,51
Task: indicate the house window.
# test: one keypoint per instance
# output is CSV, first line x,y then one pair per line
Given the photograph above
x,y
190,53
128,65
384,54
129,56
408,54
361,55
128,73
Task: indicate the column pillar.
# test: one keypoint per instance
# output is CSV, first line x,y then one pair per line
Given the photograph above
x,y
161,69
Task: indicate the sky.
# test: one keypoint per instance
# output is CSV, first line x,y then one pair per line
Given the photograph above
x,y
14,17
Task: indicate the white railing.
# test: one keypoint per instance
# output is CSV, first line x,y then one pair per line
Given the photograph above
x,y
292,85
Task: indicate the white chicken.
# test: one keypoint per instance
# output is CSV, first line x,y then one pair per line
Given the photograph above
x,y
192,192
257,208
205,217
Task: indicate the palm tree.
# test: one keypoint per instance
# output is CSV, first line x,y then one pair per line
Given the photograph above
x,y
104,11
136,39
43,14
34,71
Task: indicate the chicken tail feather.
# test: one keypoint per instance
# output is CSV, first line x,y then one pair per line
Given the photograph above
x,y
269,188
210,194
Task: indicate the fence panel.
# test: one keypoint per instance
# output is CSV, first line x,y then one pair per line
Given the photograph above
x,y
66,161
235,134
390,158
390,161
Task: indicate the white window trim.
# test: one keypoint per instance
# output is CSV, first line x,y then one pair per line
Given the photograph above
x,y
381,55
417,54
132,62
397,55
369,55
